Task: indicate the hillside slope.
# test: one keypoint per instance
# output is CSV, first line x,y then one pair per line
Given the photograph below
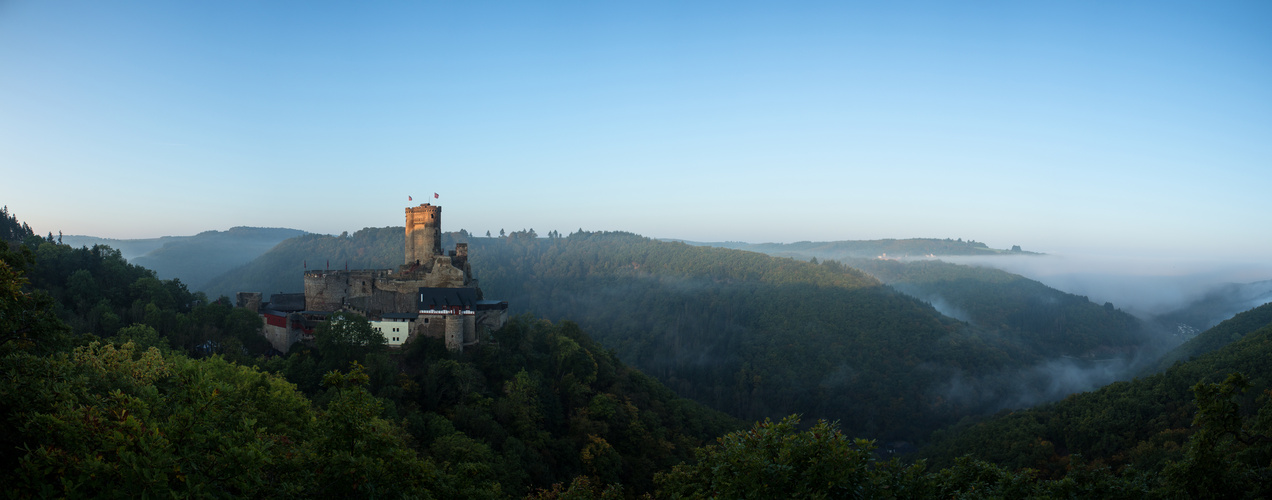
x,y
280,269
1141,423
194,259
1218,336
138,412
201,257
1051,320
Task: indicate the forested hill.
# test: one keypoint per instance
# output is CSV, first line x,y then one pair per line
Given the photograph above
x,y
120,385
1049,319
195,259
754,335
1144,423
791,339
177,404
1218,336
913,247
280,269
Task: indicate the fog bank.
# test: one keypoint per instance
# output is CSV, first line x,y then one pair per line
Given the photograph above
x,y
1144,286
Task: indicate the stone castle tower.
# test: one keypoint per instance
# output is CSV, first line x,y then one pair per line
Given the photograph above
x,y
433,294
423,233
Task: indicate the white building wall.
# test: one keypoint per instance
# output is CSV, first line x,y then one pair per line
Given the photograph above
x,y
395,332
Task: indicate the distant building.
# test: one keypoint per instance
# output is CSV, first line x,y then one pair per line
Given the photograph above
x,y
432,294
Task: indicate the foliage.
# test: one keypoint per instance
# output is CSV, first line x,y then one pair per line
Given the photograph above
x,y
11,230
26,318
776,460
347,337
110,421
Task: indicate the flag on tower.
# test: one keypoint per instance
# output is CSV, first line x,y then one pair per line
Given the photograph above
x,y
434,195
408,198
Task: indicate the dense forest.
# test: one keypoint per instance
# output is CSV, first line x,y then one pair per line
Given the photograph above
x,y
1049,320
117,378
105,410
1151,425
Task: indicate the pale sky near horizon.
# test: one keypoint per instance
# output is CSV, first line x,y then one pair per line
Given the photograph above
x,y
1116,127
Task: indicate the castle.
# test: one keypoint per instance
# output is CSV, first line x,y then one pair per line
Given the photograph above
x,y
432,293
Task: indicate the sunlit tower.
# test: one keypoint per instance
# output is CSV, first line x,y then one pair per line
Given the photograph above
x,y
423,233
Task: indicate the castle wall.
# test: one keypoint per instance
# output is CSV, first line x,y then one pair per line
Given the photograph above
x,y
470,330
445,275
325,290
280,337
433,326
491,320
248,300
376,292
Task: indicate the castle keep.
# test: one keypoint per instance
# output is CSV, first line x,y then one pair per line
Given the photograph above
x,y
432,294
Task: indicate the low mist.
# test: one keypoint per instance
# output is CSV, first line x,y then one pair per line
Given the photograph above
x,y
1047,381
1145,287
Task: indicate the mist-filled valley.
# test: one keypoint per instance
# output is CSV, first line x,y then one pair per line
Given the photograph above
x,y
935,357
1031,343
764,337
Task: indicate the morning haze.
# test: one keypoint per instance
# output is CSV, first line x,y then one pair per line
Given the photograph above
x,y
1021,248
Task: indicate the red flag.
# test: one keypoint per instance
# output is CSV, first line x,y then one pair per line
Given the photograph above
x,y
408,198
434,195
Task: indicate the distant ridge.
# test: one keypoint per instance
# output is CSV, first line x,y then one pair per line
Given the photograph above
x,y
194,259
898,248
128,248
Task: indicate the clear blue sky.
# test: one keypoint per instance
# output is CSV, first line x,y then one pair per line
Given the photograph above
x,y
1107,126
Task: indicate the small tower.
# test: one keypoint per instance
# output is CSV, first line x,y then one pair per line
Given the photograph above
x,y
423,233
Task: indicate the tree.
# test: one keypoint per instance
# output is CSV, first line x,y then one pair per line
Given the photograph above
x,y
776,460
27,320
1228,456
347,337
